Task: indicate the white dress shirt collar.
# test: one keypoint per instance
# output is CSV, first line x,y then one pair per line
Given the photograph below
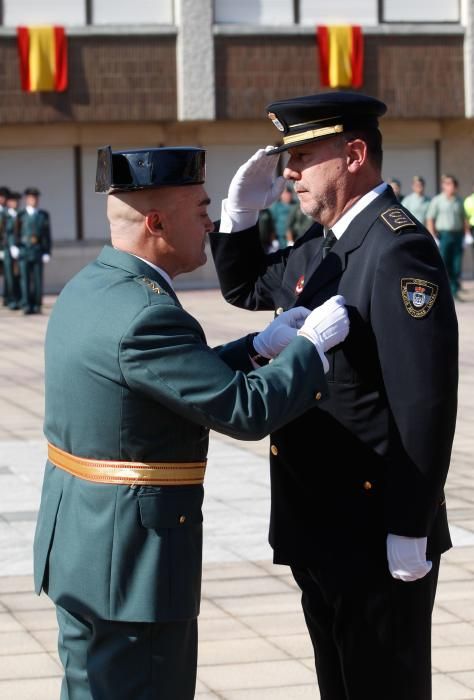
x,y
31,210
343,223
160,271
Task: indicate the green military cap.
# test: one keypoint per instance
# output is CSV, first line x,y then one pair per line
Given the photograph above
x,y
313,117
147,168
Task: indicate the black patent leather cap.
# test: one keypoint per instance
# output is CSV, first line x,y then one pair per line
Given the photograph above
x,y
147,168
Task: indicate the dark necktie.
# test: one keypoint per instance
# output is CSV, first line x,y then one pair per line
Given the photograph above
x,y
329,241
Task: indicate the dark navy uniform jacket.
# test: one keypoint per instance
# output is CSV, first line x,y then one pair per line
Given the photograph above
x,y
373,458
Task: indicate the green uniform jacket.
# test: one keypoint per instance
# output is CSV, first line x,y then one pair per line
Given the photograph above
x,y
33,234
129,376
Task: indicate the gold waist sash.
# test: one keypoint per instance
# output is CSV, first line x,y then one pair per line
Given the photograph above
x,y
146,473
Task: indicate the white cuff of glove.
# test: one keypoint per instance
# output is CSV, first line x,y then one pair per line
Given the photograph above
x,y
14,252
46,257
233,221
407,557
321,354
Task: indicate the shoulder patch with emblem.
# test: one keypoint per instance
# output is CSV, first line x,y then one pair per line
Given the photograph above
x,y
396,219
418,296
154,286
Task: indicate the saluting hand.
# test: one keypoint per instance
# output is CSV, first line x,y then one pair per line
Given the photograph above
x,y
254,187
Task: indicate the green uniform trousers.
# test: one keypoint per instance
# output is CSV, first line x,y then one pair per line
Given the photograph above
x,y
451,249
110,660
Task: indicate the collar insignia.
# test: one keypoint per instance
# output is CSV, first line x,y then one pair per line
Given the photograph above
x,y
418,296
152,285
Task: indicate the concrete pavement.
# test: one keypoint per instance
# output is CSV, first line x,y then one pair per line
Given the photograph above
x,y
253,641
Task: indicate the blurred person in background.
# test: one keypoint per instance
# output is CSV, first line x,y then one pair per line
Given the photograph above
x,y
280,211
12,268
417,202
446,221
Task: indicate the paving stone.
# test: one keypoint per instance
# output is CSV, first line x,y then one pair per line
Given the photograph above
x,y
31,689
263,674
38,665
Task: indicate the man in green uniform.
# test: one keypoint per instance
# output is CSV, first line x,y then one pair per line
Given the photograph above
x,y
446,221
132,390
417,202
11,266
3,244
34,243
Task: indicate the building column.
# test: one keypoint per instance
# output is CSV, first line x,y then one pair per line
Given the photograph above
x,y
195,60
467,17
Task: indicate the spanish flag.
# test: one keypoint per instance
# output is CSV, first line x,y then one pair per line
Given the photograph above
x,y
43,58
341,55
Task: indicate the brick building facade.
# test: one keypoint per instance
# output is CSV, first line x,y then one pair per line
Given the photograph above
x,y
191,77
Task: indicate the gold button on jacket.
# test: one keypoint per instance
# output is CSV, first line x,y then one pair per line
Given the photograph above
x,y
279,310
274,450
367,485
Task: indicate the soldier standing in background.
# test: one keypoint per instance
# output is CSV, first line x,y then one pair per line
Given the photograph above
x,y
3,244
33,238
11,268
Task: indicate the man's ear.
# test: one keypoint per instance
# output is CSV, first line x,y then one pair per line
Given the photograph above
x,y
154,223
356,154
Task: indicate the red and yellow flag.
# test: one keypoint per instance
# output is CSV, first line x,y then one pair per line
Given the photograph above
x,y
341,55
43,58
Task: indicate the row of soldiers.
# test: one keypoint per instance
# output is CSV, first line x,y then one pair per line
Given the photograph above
x,y
25,245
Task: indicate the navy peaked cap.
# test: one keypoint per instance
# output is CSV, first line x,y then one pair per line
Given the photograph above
x,y
313,117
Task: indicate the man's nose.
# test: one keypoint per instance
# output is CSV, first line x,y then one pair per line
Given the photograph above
x,y
289,173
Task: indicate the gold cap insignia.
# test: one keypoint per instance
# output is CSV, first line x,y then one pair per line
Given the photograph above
x,y
418,296
276,121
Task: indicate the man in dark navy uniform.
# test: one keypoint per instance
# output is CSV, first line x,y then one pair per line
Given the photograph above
x,y
361,518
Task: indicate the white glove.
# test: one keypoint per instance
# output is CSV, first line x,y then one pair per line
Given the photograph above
x,y
14,252
407,557
326,326
46,257
281,331
253,188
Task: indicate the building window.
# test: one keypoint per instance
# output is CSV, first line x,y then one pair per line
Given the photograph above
x,y
363,12
126,12
418,11
254,12
30,12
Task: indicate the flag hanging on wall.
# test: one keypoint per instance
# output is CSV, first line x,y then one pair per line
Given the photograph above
x,y
341,55
43,58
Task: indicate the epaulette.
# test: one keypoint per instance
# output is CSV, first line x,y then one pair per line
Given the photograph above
x,y
397,220
151,284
